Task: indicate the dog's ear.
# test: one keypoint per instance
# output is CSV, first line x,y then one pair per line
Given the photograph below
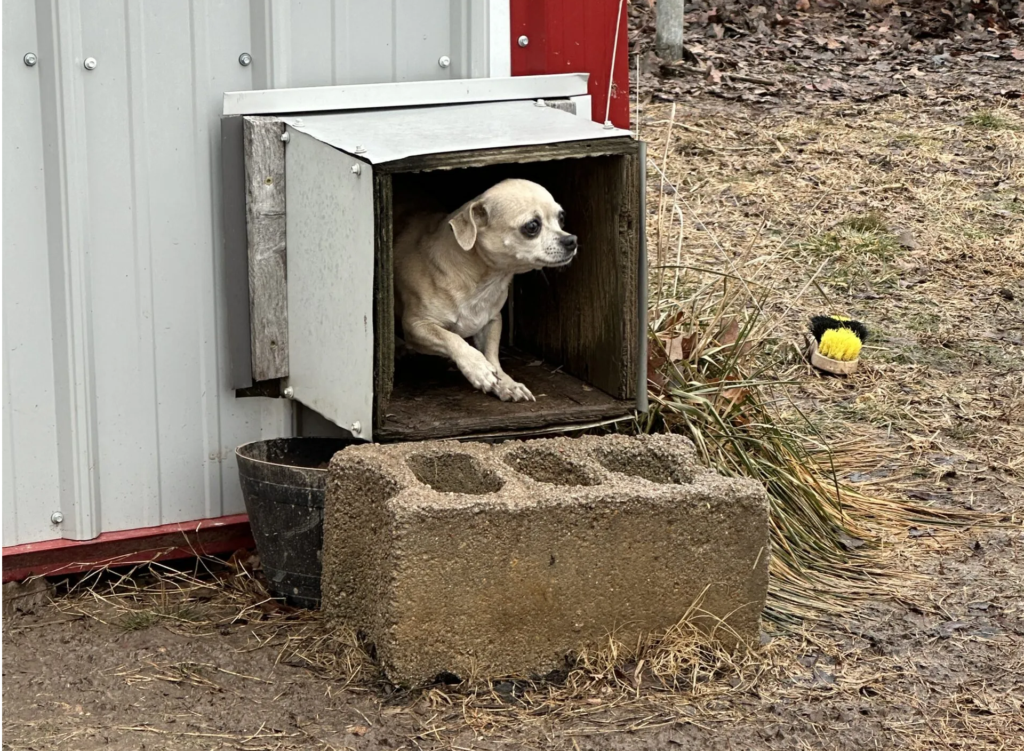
x,y
467,221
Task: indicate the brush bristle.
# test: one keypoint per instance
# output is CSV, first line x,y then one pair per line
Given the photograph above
x,y
821,324
840,344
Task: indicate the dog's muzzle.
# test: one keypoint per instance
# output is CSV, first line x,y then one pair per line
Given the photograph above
x,y
569,250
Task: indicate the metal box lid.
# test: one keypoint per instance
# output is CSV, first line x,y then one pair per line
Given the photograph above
x,y
390,135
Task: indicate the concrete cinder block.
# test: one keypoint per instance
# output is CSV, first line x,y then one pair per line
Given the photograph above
x,y
476,559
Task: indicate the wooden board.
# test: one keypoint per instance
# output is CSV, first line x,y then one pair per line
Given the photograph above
x,y
585,315
520,154
431,399
265,220
383,297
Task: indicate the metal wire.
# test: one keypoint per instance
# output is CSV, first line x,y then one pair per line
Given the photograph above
x,y
611,71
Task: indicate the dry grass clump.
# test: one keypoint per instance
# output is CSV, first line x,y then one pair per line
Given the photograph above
x,y
779,224
204,596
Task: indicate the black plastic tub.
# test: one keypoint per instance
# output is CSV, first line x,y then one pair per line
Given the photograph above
x,y
283,483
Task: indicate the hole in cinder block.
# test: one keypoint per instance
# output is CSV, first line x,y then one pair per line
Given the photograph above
x,y
547,465
451,472
646,463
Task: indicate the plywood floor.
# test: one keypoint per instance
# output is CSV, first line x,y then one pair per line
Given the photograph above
x,y
431,399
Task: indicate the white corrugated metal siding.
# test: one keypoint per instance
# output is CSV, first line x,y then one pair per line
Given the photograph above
x,y
117,407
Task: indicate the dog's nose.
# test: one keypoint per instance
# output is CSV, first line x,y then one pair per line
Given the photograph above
x,y
568,242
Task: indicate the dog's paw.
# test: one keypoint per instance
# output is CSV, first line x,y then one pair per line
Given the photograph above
x,y
512,391
481,375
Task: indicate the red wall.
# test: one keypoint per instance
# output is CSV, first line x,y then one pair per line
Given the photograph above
x,y
575,36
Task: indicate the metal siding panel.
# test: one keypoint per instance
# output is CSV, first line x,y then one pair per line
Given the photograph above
x,y
166,147
65,159
499,36
270,23
132,207
11,533
133,400
330,270
312,43
31,488
364,42
470,41
120,260
422,36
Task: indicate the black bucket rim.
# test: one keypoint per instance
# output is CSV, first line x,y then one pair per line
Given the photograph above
x,y
249,458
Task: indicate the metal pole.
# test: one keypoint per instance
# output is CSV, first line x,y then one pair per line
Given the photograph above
x,y
668,39
641,292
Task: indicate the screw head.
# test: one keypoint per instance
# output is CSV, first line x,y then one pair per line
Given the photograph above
x,y
90,63
444,61
245,59
289,393
524,40
286,136
56,517
357,428
356,169
30,59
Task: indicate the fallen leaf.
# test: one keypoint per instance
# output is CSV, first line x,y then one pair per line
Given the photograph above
x,y
1017,53
655,377
734,395
730,333
357,729
803,4
680,348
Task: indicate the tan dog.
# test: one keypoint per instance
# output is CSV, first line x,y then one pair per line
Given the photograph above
x,y
452,275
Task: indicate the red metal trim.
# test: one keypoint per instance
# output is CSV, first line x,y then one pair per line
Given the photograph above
x,y
131,546
575,36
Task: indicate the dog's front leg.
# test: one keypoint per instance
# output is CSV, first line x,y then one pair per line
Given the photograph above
x,y
432,339
488,341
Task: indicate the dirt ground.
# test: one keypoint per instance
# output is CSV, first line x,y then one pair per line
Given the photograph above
x,y
905,210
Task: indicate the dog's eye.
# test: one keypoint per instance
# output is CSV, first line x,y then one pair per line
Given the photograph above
x,y
531,228
561,219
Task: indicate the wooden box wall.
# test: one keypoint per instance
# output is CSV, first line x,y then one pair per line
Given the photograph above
x,y
583,320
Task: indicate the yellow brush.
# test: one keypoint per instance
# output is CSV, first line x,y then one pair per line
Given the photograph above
x,y
840,344
836,344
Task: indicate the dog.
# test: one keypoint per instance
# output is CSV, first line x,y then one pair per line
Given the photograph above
x,y
452,275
